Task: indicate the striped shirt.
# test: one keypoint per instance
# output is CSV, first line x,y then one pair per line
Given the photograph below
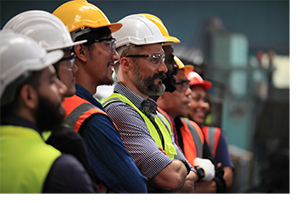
x,y
135,134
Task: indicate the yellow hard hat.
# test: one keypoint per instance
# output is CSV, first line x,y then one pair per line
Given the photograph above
x,y
161,27
187,68
79,14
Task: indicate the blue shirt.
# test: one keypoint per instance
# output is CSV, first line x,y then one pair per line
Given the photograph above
x,y
109,158
135,133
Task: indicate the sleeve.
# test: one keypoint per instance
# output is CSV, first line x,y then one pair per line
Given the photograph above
x,y
219,172
222,154
67,175
109,158
137,139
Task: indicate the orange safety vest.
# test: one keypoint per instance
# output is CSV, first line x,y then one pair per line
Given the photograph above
x,y
192,136
212,137
78,110
193,140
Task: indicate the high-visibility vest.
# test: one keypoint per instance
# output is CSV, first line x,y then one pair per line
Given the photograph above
x,y
25,160
193,139
212,137
168,147
78,110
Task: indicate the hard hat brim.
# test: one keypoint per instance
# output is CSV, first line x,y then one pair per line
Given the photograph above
x,y
114,27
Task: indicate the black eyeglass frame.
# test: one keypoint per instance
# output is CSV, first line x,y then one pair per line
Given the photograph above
x,y
183,89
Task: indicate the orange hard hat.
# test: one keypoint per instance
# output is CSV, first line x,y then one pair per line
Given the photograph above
x,y
196,79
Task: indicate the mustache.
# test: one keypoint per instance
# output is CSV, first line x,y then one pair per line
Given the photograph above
x,y
160,75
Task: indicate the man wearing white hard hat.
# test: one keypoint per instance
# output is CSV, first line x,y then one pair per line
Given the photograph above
x,y
31,102
50,33
144,131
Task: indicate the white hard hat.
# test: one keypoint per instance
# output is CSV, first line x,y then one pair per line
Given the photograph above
x,y
138,30
20,55
45,28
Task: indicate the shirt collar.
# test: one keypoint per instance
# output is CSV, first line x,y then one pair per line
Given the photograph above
x,y
136,99
18,121
83,93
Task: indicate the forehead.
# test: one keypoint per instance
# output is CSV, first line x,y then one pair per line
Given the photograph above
x,y
153,48
198,89
180,75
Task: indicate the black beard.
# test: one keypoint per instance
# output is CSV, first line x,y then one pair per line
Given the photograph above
x,y
170,86
48,115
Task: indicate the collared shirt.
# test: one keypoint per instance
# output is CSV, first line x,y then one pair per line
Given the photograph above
x,y
135,134
108,156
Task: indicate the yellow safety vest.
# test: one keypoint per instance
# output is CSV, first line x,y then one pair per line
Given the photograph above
x,y
25,160
168,146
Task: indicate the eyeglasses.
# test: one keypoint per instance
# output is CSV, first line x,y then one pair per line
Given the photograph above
x,y
110,43
153,58
183,85
69,66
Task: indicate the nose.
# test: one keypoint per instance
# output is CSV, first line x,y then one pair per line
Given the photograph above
x,y
188,92
116,56
62,88
163,67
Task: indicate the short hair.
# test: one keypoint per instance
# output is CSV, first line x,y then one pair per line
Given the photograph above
x,y
95,33
11,96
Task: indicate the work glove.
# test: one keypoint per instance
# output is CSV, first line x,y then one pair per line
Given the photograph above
x,y
207,166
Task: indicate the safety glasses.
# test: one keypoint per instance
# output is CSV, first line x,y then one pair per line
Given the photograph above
x,y
153,58
110,43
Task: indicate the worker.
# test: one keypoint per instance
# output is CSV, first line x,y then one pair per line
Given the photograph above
x,y
95,59
175,106
31,102
146,135
170,63
199,109
52,34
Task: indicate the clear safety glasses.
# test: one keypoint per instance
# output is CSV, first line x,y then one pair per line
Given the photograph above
x,y
156,59
110,43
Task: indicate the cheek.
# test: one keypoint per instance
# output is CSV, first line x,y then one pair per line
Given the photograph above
x,y
193,105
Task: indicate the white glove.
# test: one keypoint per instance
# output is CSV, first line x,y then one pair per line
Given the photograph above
x,y
207,166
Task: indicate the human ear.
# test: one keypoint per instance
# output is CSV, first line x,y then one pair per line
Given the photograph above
x,y
29,96
81,52
125,64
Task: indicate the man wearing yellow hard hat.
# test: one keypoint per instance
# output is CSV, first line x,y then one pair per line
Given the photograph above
x,y
95,59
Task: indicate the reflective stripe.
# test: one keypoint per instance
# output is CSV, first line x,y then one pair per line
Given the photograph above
x,y
196,137
212,135
78,110
159,120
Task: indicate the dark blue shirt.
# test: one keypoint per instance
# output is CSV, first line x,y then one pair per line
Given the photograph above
x,y
109,158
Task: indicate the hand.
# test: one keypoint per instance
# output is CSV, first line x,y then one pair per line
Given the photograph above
x,y
207,166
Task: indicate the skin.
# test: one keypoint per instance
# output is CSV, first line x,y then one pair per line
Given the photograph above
x,y
199,109
94,68
170,102
131,72
50,87
198,112
67,76
173,177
